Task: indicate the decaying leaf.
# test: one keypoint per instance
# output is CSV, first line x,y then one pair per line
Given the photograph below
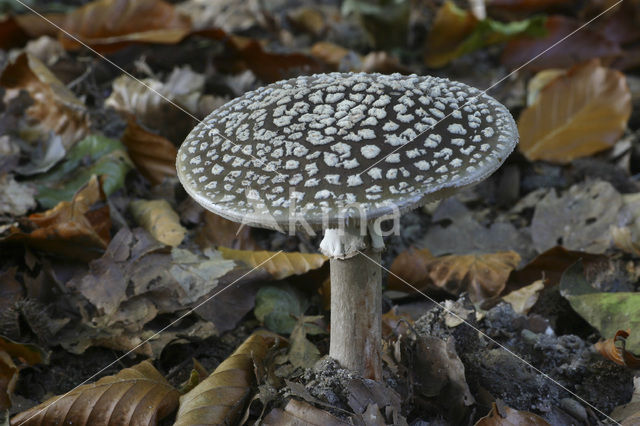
x,y
505,416
614,349
55,107
279,264
219,399
577,114
136,395
277,307
24,354
482,275
302,353
523,299
386,22
79,229
93,155
107,25
8,380
581,46
153,155
159,218
394,323
16,198
218,231
301,413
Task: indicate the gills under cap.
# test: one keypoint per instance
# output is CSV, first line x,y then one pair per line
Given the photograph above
x,y
309,146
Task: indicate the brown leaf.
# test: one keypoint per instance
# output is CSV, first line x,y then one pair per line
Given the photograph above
x,y
330,53
159,219
8,379
136,395
280,266
218,231
523,299
505,416
153,155
108,25
55,108
26,354
576,115
482,275
450,28
394,323
585,44
76,229
301,413
219,398
614,350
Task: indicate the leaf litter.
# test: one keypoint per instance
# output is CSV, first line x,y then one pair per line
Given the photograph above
x,y
79,210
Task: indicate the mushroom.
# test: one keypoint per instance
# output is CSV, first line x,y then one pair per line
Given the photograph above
x,y
339,152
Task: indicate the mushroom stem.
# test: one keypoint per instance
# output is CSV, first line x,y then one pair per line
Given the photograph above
x,y
356,305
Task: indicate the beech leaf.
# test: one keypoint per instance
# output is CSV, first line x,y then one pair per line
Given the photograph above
x,y
482,275
160,220
136,395
219,398
615,350
282,265
577,114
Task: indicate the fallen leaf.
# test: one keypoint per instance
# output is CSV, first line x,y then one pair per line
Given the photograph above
x,y
219,399
16,198
629,413
137,395
394,323
93,155
577,114
159,218
299,413
309,20
25,353
153,155
218,231
76,229
8,379
108,25
55,108
579,219
456,32
385,23
45,155
330,53
482,275
277,307
523,299
615,350
279,264
581,46
540,81
505,416
302,353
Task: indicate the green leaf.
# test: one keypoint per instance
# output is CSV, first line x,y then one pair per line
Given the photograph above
x,y
93,155
277,307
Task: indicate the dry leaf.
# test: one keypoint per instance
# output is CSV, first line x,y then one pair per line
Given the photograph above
x,y
108,25
301,413
576,115
153,155
218,231
482,275
505,416
159,219
450,27
75,229
137,395
55,108
219,398
8,380
395,324
523,299
614,349
280,266
585,44
330,53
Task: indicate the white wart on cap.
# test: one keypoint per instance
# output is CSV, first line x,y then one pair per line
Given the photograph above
x,y
309,146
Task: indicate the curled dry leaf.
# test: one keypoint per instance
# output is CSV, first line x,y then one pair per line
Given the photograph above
x,y
482,275
524,298
79,229
55,108
160,220
301,413
25,354
136,395
585,44
279,264
219,399
577,114
153,155
505,416
107,25
614,349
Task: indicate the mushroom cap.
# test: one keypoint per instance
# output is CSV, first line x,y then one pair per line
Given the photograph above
x,y
329,147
